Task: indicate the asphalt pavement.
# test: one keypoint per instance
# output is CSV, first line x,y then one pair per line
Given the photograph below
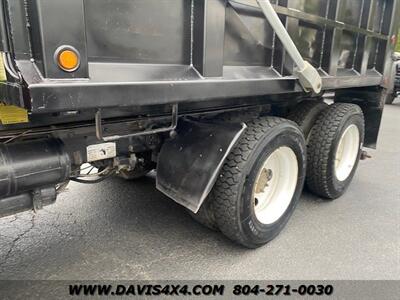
x,y
124,230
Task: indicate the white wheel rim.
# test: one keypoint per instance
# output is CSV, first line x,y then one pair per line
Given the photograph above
x,y
347,152
275,185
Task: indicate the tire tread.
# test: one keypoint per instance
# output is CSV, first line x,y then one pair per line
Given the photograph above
x,y
227,187
305,110
320,146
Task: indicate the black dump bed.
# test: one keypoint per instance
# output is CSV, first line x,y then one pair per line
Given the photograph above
x,y
145,52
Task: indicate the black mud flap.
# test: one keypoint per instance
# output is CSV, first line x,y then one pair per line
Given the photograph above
x,y
188,165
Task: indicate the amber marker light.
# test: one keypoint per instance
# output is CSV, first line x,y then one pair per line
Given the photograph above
x,y
67,58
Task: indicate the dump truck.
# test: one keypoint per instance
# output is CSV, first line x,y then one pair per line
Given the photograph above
x,y
394,86
223,98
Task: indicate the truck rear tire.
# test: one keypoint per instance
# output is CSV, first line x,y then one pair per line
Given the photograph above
x,y
306,113
334,150
205,216
261,182
390,98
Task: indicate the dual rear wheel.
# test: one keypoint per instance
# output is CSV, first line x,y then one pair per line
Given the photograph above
x,y
262,179
334,150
